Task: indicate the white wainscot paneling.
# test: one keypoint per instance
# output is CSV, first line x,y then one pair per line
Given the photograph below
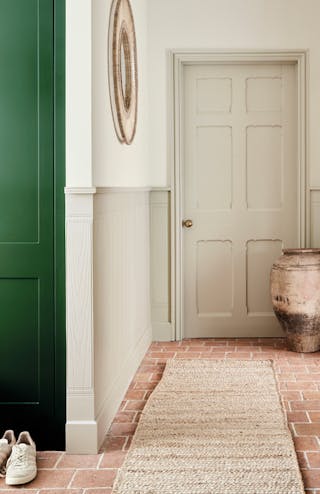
x,y
160,266
315,218
121,295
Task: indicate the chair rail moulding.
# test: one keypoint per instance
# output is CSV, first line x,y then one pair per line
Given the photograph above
x,y
177,60
79,190
81,427
123,190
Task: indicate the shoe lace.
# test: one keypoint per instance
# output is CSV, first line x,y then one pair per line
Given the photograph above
x,y
19,456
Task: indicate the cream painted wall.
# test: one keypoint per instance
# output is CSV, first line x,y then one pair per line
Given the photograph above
x,y
94,156
116,164
229,25
78,94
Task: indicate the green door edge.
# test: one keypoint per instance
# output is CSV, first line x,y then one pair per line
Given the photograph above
x,y
59,223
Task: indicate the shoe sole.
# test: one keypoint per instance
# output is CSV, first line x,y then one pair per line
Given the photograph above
x,y
20,480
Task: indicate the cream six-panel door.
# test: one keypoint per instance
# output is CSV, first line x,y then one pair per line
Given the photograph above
x,y
240,190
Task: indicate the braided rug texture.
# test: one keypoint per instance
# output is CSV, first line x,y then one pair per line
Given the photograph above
x,y
212,427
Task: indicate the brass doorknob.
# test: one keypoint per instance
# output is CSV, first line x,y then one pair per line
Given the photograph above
x,y
187,223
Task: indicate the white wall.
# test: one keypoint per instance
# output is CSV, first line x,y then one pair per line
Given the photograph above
x,y
117,164
228,24
78,94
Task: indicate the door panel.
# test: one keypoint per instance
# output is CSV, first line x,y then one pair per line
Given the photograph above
x,y
214,178
240,188
27,280
264,167
22,294
214,261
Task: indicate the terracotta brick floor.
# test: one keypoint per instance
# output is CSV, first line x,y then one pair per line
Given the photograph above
x,y
299,384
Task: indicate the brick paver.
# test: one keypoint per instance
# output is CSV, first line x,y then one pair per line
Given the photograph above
x,y
298,377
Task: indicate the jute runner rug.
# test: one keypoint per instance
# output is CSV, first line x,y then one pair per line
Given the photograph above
x,y
212,427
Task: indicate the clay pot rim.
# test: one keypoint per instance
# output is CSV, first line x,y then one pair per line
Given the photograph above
x,y
292,252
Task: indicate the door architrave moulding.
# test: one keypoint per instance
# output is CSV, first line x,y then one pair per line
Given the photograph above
x,y
177,59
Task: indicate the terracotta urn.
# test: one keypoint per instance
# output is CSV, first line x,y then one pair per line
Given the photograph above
x,y
295,293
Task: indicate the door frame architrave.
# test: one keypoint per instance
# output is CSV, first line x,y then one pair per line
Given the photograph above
x,y
59,14
177,60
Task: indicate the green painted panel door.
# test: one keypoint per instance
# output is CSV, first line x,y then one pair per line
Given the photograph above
x,y
27,282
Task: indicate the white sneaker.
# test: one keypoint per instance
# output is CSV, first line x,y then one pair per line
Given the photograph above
x,y
6,443
21,466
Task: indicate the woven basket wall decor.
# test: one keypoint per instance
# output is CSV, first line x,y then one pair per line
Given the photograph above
x,y
123,78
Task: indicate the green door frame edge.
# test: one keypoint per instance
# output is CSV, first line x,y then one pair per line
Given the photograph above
x,y
59,222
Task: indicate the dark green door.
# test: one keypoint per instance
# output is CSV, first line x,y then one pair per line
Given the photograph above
x,y
28,346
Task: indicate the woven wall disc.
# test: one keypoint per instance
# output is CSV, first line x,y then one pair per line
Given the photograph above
x,y
123,79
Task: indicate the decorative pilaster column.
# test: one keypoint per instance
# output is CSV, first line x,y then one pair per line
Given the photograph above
x,y
81,427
